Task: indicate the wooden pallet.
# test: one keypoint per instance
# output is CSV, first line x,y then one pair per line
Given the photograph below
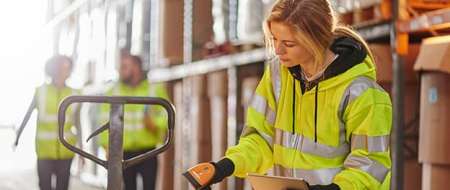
x,y
434,20
428,5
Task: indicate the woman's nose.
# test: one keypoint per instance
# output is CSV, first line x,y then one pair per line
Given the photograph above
x,y
279,49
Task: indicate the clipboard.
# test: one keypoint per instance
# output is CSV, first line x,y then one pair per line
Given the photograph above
x,y
263,182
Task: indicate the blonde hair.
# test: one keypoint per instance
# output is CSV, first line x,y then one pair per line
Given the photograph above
x,y
314,22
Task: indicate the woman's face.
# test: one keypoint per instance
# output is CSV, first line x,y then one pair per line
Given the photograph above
x,y
287,47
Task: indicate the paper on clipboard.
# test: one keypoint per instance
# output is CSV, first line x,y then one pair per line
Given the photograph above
x,y
263,182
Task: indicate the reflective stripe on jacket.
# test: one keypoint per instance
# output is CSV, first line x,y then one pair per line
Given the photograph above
x,y
47,143
347,143
136,135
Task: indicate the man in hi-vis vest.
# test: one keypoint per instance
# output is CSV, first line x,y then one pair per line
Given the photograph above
x,y
54,160
144,126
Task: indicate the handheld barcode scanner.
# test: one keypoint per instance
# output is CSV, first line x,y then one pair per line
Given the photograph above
x,y
201,175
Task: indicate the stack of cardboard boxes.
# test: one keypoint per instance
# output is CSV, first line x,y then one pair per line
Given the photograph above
x,y
357,12
434,154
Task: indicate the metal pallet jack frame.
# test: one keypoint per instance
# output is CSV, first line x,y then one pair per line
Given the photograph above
x,y
115,163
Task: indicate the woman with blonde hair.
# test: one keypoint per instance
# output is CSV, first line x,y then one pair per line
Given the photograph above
x,y
317,113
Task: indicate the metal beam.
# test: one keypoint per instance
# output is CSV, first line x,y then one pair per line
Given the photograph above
x,y
398,106
59,17
232,116
115,148
188,128
207,66
375,31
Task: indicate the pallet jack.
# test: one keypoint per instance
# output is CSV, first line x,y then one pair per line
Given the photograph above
x,y
115,163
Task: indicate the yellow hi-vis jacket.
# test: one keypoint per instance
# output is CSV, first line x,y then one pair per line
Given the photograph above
x,y
349,145
47,143
136,135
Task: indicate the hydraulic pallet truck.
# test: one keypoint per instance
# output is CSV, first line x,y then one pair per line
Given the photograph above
x,y
115,163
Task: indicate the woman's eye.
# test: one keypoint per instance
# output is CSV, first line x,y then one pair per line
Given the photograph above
x,y
289,44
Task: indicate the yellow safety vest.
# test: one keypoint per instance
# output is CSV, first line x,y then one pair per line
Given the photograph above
x,y
47,143
136,135
347,145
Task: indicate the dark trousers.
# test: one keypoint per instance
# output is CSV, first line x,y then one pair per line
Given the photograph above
x,y
60,169
147,169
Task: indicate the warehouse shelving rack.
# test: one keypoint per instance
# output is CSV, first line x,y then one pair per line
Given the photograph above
x,y
395,30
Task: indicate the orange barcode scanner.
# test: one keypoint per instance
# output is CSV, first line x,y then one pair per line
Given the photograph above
x,y
201,175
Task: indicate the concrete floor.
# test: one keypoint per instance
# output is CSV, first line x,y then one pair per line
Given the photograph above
x,y
18,167
27,179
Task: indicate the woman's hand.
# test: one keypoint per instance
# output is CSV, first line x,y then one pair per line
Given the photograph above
x,y
222,169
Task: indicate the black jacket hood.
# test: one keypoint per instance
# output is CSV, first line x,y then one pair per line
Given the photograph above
x,y
350,53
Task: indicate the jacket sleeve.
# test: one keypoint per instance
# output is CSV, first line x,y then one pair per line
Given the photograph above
x,y
253,153
368,120
157,113
31,107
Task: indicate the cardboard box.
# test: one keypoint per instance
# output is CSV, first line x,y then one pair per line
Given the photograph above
x,y
217,93
200,120
435,118
219,132
165,175
411,100
202,127
172,31
202,27
434,62
413,175
181,163
383,60
166,161
435,177
434,55
360,12
218,84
